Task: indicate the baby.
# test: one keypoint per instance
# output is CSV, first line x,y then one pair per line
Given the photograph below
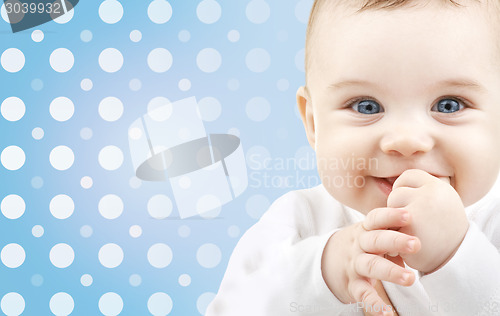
x,y
414,86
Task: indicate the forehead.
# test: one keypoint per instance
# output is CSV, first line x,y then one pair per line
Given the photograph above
x,y
413,35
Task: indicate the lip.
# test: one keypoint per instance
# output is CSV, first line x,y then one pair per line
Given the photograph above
x,y
384,184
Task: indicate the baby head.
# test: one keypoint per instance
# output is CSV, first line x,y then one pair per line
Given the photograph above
x,y
397,85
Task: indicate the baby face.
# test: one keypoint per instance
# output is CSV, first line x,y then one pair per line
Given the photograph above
x,y
412,88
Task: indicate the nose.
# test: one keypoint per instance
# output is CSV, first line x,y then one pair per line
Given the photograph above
x,y
406,139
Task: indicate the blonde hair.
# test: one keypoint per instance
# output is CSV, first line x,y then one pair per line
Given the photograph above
x,y
362,5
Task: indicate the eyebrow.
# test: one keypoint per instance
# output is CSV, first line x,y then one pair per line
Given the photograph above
x,y
459,83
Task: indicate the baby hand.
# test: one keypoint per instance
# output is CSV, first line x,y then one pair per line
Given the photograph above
x,y
353,259
438,217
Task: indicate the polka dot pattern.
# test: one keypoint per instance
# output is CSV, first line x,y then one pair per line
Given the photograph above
x,y
82,211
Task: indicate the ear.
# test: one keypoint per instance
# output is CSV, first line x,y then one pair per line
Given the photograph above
x,y
306,113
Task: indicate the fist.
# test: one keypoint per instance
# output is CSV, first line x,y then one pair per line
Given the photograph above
x,y
438,217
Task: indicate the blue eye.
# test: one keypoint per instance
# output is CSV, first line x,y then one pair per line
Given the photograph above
x,y
367,107
448,106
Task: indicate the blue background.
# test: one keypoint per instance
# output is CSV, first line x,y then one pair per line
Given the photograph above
x,y
276,138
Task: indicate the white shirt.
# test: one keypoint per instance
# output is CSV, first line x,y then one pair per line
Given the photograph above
x,y
275,268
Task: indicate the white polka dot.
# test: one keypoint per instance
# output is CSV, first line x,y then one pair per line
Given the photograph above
x,y
62,109
184,36
234,131
13,109
135,133
86,133
184,133
110,304
86,84
282,84
203,301
184,231
110,255
111,60
111,109
61,158
61,206
37,231
159,255
160,304
135,280
37,84
210,109
135,231
233,84
86,182
299,60
258,11
160,206
12,60
233,36
302,9
185,182
12,255
135,36
111,11
159,11
184,280
65,18
135,84
258,109
258,60
110,158
12,303
159,109
208,206
208,255
37,36
233,231
184,84
86,231
86,280
135,182
258,158
305,158
86,36
12,158
37,280
208,60
208,11
110,206
160,60
257,205
62,60
37,133
13,206
61,304
37,182
4,14
62,255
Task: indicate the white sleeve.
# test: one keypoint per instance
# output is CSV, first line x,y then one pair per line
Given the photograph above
x,y
469,284
274,271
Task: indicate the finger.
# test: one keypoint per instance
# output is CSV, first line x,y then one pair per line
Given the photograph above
x,y
388,241
377,267
386,217
412,178
364,292
415,178
400,197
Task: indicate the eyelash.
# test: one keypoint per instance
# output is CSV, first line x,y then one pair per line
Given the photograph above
x,y
460,100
